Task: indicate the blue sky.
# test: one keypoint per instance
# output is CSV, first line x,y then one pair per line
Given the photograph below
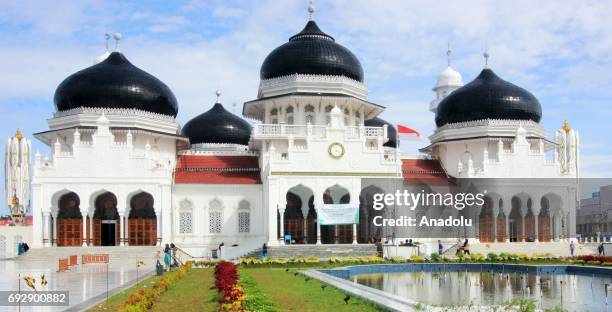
x,y
559,50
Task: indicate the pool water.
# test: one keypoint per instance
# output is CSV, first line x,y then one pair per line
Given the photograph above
x,y
570,291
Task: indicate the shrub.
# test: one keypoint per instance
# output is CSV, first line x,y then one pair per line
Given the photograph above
x,y
417,259
493,257
435,257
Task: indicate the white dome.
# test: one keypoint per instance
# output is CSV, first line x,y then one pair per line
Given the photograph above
x,y
449,77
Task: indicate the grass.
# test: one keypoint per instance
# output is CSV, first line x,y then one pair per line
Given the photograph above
x,y
293,293
116,301
191,293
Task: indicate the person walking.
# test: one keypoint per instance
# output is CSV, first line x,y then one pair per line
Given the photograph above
x,y
440,247
167,257
466,251
173,250
264,251
600,249
572,247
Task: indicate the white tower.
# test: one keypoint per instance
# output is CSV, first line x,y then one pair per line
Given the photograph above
x,y
449,80
17,173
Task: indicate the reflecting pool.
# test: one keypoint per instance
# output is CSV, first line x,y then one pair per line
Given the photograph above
x,y
574,292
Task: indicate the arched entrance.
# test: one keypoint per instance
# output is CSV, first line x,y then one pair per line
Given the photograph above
x,y
106,220
485,221
544,221
311,222
366,230
294,220
69,225
142,223
515,221
530,221
331,234
501,225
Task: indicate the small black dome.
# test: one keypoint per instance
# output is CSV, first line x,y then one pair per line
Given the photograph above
x,y
115,83
488,97
311,51
391,132
217,125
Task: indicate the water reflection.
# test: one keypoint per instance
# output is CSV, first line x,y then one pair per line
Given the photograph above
x,y
572,292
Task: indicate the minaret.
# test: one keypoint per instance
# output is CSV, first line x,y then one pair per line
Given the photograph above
x,y
17,173
449,80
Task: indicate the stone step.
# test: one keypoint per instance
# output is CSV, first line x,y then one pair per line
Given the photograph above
x,y
318,251
116,254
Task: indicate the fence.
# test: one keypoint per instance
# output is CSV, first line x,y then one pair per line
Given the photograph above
x,y
94,258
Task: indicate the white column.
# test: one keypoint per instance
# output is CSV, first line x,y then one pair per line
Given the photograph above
x,y
54,242
305,230
157,218
507,217
37,203
336,238
318,228
46,229
121,229
354,234
84,228
281,213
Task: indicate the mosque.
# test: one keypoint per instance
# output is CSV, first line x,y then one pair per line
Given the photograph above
x,y
123,172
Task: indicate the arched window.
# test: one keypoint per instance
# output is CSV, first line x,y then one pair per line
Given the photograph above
x,y
274,116
215,217
346,116
309,110
185,217
357,118
328,110
244,217
289,112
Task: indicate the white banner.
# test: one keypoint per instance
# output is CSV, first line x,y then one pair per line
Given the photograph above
x,y
338,214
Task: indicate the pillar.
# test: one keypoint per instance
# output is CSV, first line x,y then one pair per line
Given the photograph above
x,y
551,226
166,209
281,212
507,217
158,219
122,229
54,241
46,229
84,228
306,230
495,214
355,234
336,238
318,228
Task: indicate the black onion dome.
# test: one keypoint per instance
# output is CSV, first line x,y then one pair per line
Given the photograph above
x,y
115,83
488,97
217,125
311,51
391,132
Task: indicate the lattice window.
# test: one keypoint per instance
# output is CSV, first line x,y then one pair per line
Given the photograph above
x,y
244,221
185,222
215,221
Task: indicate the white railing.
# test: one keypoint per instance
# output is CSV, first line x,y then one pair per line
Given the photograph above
x,y
312,131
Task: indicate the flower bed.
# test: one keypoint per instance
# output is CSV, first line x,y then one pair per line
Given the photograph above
x,y
145,298
226,282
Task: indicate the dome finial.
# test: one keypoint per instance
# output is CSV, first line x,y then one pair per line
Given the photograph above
x,y
106,38
218,93
311,10
448,53
117,36
486,56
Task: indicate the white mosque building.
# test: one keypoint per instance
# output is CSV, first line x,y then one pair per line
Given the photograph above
x,y
122,171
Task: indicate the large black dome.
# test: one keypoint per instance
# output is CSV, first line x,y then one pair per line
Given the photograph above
x,y
391,132
311,51
488,97
217,125
115,83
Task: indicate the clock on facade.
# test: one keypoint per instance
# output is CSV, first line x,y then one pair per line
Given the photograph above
x,y
336,150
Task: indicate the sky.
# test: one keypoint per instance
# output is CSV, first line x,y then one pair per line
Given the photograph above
x,y
561,51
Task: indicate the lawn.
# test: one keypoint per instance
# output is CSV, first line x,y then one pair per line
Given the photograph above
x,y
289,292
191,293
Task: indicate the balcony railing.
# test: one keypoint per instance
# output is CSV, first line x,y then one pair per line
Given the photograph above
x,y
313,131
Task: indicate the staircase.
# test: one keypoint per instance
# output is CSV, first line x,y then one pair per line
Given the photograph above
x,y
119,256
317,251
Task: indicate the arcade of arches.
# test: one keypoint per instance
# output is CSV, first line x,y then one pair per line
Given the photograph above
x,y
105,226
524,222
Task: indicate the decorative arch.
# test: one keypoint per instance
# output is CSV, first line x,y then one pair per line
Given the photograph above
x,y
69,224
485,221
106,227
142,221
295,215
185,211
367,232
336,194
244,216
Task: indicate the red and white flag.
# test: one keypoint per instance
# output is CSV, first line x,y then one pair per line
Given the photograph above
x,y
407,134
